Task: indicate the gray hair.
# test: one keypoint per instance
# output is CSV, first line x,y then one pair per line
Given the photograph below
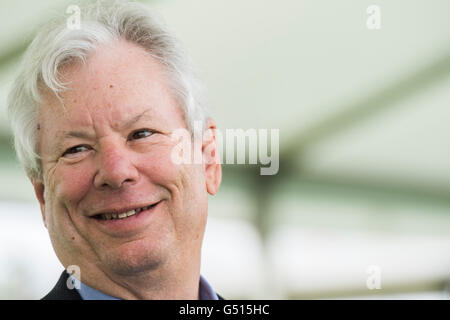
x,y
57,45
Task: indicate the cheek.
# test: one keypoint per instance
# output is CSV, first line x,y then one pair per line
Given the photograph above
x,y
66,187
157,165
72,183
187,188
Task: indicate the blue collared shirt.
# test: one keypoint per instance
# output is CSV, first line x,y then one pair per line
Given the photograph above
x,y
205,292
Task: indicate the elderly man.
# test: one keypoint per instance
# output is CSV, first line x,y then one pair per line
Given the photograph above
x,y
93,111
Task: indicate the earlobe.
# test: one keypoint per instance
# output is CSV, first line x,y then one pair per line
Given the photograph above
x,y
210,150
39,190
213,178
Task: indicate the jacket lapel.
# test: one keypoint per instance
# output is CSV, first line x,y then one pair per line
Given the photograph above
x,y
61,292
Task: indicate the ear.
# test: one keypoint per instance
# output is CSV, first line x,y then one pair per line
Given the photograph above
x,y
39,190
211,158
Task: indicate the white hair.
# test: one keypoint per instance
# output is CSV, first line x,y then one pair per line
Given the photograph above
x,y
57,45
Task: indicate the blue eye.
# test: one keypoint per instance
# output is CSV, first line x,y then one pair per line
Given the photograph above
x,y
139,134
76,149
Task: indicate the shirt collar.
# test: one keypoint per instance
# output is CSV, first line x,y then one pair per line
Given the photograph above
x,y
205,292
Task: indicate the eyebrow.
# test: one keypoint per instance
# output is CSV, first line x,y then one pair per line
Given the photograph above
x,y
130,122
85,135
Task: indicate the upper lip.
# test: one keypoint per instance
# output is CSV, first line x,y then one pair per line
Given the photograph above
x,y
118,210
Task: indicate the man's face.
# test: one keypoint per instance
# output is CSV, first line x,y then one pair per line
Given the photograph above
x,y
110,152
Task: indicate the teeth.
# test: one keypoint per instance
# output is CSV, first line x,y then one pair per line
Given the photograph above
x,y
109,216
130,213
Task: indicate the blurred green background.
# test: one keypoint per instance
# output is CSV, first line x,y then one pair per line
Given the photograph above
x,y
364,175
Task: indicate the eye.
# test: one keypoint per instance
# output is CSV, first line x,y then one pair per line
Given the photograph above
x,y
76,149
139,134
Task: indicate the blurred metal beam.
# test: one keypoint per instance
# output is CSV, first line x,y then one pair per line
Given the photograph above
x,y
410,288
7,153
12,53
339,185
354,112
345,186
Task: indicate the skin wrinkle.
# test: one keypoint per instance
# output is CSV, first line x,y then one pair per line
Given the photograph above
x,y
161,260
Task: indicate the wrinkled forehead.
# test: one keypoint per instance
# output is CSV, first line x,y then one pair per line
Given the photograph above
x,y
118,78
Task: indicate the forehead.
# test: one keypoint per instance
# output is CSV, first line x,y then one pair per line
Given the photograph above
x,y
118,79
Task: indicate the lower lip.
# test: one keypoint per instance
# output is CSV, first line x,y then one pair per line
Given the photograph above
x,y
129,224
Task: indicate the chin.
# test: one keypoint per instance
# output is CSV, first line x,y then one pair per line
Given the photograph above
x,y
134,258
125,267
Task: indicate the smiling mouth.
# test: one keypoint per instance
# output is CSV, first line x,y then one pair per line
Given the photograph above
x,y
122,215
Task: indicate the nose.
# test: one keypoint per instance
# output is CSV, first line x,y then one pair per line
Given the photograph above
x,y
115,168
